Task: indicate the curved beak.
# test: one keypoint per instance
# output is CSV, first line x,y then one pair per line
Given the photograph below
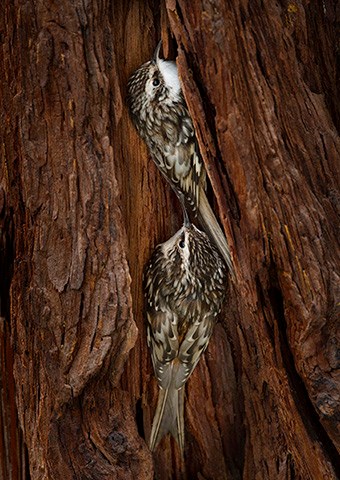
x,y
155,58
186,220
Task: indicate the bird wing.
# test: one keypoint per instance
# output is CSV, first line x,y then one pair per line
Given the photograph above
x,y
162,340
192,346
176,153
186,170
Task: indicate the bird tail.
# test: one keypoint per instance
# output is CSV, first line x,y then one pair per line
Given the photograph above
x,y
169,417
214,231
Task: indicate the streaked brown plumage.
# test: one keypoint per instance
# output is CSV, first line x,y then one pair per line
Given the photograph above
x,y
184,289
162,119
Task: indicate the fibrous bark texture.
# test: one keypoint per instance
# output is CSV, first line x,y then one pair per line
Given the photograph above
x,y
82,206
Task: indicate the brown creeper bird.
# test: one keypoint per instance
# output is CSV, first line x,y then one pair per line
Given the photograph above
x,y
161,117
184,290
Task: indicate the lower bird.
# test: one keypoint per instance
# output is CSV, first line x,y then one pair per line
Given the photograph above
x,y
184,284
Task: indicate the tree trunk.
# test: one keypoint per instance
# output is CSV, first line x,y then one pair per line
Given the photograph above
x,y
82,206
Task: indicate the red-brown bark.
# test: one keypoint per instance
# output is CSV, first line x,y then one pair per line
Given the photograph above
x,y
83,206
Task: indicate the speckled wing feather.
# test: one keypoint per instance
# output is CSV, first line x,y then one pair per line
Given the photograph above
x,y
173,362
166,347
192,346
178,157
163,343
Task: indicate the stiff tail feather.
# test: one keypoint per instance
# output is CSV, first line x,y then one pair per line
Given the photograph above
x,y
208,220
169,417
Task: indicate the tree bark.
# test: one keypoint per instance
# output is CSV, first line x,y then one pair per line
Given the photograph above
x,y
82,206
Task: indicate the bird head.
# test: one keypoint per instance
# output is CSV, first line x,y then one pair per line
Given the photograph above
x,y
192,249
156,80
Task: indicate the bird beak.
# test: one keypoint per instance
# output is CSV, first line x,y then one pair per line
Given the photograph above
x,y
186,220
155,58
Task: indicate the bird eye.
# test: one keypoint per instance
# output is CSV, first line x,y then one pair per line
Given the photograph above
x,y
182,244
155,82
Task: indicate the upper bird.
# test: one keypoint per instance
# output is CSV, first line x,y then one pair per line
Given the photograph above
x,y
160,114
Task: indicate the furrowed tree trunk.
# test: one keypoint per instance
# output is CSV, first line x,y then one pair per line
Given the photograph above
x,y
82,206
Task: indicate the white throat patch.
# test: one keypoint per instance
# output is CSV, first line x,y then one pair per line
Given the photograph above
x,y
169,72
186,253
